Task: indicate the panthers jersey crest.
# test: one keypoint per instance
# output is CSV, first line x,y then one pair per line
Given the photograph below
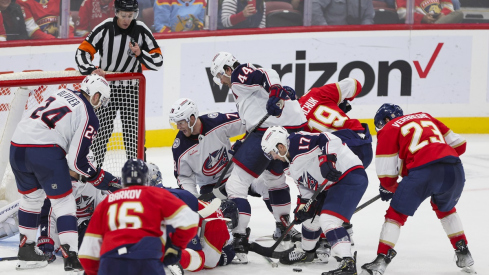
x,y
215,162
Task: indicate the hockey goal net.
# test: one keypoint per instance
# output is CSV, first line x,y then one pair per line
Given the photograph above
x,y
122,127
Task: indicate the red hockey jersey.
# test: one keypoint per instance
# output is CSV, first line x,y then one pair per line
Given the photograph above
x,y
423,7
411,141
41,18
130,214
320,106
92,13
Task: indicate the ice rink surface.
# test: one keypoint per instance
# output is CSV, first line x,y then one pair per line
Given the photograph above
x,y
423,247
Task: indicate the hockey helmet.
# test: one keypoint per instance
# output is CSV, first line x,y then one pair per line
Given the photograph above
x,y
387,110
94,84
127,5
134,172
273,136
154,175
182,110
220,60
230,211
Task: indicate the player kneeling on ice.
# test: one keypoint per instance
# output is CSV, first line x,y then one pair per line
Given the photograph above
x,y
125,235
316,160
212,246
65,123
425,152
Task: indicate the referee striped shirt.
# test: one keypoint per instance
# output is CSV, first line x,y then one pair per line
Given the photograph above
x,y
112,44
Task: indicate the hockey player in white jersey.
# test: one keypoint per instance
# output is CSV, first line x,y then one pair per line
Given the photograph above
x,y
87,197
315,160
200,149
65,123
258,92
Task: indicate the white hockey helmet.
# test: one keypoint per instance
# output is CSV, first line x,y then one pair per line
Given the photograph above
x,y
273,136
154,174
94,84
183,109
217,67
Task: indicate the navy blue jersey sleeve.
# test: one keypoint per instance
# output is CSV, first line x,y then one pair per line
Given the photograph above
x,y
301,143
82,140
247,74
215,120
180,146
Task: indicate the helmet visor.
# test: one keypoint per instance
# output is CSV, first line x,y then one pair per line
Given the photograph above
x,y
127,15
178,124
217,79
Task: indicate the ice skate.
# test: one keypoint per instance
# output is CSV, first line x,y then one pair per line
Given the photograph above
x,y
323,251
347,266
463,257
378,266
241,246
30,256
70,259
297,256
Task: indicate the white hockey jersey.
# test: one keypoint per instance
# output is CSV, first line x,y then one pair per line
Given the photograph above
x,y
199,160
65,119
87,198
250,87
304,168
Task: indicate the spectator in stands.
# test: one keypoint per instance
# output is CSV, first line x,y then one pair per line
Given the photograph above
x,y
342,12
239,14
13,21
41,18
92,13
179,15
146,13
431,12
390,3
3,34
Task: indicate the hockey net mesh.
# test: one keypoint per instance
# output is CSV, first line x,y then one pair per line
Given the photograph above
x,y
111,148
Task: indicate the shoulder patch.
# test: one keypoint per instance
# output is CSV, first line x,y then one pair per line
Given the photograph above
x,y
176,143
213,115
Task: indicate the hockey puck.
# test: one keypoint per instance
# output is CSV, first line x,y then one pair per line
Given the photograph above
x,y
297,269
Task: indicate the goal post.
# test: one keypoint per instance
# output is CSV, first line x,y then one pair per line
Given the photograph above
x,y
21,93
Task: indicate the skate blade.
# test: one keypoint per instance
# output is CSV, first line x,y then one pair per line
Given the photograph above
x,y
241,258
469,270
21,265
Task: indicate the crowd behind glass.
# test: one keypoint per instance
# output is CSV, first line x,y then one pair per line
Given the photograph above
x,y
42,19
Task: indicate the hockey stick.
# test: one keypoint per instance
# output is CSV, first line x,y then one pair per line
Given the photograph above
x,y
270,251
216,192
274,264
367,203
9,258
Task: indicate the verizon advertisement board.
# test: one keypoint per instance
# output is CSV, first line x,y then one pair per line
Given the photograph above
x,y
443,72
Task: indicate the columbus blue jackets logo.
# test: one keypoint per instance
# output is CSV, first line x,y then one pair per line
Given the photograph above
x,y
310,182
215,162
213,115
85,205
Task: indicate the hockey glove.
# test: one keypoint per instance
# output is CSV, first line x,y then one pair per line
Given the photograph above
x,y
235,147
385,194
172,253
290,92
274,104
227,255
105,181
302,214
327,165
345,106
46,245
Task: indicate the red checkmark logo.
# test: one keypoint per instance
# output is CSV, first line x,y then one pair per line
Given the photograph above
x,y
424,74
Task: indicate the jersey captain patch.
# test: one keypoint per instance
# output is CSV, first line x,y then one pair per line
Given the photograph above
x,y
215,162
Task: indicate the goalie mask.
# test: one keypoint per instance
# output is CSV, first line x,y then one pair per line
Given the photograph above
x,y
218,63
154,175
273,136
387,110
181,111
94,84
134,172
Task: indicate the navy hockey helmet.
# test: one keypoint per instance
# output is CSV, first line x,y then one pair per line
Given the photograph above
x,y
230,210
127,5
387,110
134,172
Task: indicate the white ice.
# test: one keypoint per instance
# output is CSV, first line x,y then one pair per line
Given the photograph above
x,y
423,247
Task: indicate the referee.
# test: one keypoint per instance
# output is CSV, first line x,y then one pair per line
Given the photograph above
x,y
123,44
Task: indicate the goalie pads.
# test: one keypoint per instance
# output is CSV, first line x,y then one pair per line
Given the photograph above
x,y
9,221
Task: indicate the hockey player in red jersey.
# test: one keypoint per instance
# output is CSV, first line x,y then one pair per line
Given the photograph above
x,y
325,108
425,152
42,18
125,233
